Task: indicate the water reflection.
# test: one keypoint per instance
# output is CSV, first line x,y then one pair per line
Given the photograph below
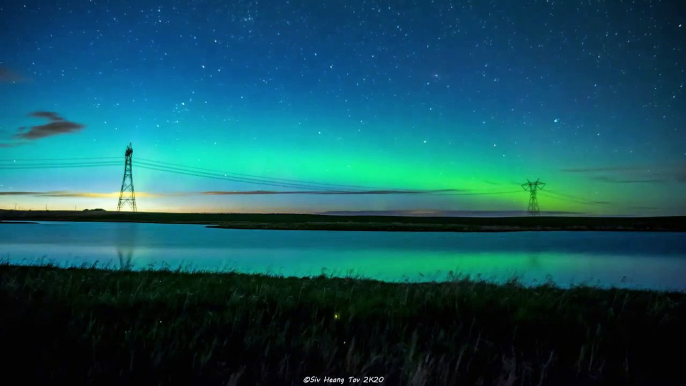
x,y
645,260
533,261
125,242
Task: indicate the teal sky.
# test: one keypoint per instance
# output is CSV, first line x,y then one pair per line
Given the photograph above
x,y
468,98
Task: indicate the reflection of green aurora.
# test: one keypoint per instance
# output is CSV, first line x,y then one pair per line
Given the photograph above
x,y
399,265
647,260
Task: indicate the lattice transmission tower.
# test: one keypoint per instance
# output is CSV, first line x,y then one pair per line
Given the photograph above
x,y
127,195
533,187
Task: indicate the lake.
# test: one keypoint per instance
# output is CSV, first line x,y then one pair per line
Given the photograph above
x,y
623,259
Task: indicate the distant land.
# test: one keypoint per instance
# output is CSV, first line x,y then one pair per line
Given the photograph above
x,y
446,213
365,222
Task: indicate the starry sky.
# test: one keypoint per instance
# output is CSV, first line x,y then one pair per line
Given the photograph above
x,y
410,107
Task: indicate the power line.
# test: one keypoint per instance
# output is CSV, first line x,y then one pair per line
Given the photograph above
x,y
164,169
478,193
57,166
60,164
260,181
213,173
218,177
264,178
572,198
54,159
178,170
319,189
235,179
15,164
247,178
222,172
184,171
314,190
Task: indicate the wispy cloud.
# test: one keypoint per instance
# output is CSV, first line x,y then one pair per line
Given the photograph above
x,y
578,200
646,174
624,181
19,193
47,115
606,169
10,144
10,76
56,126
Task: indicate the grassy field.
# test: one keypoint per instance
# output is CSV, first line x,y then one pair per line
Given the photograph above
x,y
88,326
365,223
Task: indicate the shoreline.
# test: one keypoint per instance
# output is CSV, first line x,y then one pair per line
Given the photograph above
x,y
367,227
363,223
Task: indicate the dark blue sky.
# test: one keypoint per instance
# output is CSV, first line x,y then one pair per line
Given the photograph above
x,y
476,96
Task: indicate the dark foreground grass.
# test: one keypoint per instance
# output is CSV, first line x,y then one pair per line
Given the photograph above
x,y
88,326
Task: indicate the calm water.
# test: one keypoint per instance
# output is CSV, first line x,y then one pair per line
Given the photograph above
x,y
624,259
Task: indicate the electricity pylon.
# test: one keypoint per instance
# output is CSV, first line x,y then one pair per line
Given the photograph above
x,y
127,183
533,187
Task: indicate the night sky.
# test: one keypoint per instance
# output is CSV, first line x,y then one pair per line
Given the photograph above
x,y
425,107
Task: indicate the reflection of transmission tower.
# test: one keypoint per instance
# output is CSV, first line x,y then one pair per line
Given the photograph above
x,y
125,260
533,187
127,183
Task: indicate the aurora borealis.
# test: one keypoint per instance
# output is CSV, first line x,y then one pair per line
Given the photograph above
x,y
467,97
